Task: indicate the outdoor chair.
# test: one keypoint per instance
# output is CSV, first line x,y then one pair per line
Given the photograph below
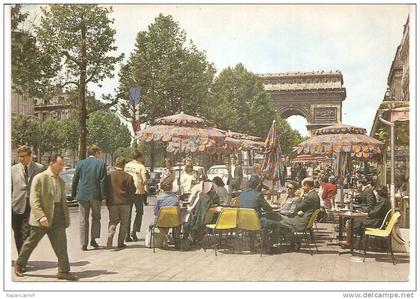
x,y
168,217
248,221
382,233
309,229
227,221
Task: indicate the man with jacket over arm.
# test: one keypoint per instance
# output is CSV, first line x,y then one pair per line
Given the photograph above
x,y
89,185
235,175
22,176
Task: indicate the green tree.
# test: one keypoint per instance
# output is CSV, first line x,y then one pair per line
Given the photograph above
x,y
69,132
240,103
172,73
79,40
107,131
25,131
50,139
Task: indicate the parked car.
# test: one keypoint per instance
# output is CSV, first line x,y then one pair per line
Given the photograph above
x,y
218,170
67,176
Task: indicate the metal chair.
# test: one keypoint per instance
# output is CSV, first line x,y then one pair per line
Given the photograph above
x,y
226,221
382,233
248,221
168,217
308,229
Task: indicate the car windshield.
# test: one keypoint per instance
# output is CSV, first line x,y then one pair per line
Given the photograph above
x,y
67,175
155,175
217,171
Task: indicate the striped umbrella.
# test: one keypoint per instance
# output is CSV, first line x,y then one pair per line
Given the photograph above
x,y
272,157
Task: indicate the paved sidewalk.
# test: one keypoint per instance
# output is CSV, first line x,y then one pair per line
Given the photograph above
x,y
137,263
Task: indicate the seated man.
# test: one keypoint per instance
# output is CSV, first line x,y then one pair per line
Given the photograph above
x,y
289,206
165,199
305,208
250,198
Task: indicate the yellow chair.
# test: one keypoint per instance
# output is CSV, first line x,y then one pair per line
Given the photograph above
x,y
382,233
308,229
248,221
226,221
168,217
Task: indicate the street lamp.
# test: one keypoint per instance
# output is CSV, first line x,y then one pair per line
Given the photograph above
x,y
392,125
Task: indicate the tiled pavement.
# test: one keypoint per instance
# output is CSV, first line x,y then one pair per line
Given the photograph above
x,y
137,263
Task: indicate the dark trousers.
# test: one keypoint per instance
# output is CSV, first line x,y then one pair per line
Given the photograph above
x,y
57,235
138,202
20,226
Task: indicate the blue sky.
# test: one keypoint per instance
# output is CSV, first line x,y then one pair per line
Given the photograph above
x,y
358,40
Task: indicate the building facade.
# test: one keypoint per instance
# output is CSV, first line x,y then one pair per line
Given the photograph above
x,y
317,96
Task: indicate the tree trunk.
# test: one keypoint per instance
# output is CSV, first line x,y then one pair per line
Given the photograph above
x,y
82,97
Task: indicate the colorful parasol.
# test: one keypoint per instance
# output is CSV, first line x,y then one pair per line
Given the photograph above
x,y
272,157
309,158
181,127
343,141
341,138
189,146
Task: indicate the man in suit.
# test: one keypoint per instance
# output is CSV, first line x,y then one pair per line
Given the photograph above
x,y
89,184
121,191
138,172
49,215
235,175
303,211
367,201
22,176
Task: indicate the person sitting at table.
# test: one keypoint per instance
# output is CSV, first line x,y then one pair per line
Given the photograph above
x,y
196,188
367,201
292,200
257,172
224,198
165,199
303,211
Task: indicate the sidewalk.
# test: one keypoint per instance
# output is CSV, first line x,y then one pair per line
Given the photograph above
x,y
137,263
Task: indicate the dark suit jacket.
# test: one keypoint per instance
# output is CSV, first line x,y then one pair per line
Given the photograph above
x,y
237,180
308,205
367,200
89,181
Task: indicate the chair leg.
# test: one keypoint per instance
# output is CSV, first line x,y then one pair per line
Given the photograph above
x,y
307,242
262,242
151,240
313,238
366,245
390,248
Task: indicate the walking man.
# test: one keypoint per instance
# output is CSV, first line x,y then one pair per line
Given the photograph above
x,y
121,191
49,215
89,183
235,175
138,171
22,176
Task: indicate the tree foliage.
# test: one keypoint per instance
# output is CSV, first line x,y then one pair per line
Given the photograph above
x,y
79,41
107,131
25,131
172,73
50,137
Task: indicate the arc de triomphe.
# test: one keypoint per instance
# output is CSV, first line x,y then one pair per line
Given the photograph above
x,y
317,96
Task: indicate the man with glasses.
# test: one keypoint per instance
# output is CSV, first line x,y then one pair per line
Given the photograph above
x,y
22,176
289,206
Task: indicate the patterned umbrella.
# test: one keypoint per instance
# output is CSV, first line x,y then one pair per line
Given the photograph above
x,y
309,158
341,138
190,146
344,141
272,157
180,128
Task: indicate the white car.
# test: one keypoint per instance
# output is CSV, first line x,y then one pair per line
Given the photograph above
x,y
220,171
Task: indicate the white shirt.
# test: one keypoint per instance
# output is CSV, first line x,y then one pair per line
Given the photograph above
x,y
138,172
310,171
232,170
186,181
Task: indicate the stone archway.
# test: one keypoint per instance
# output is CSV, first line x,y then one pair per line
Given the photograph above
x,y
317,96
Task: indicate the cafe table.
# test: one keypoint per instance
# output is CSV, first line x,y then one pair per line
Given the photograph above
x,y
342,216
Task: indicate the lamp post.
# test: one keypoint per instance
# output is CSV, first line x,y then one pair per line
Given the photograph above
x,y
392,125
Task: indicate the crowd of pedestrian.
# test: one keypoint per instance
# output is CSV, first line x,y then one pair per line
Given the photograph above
x,y
39,204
